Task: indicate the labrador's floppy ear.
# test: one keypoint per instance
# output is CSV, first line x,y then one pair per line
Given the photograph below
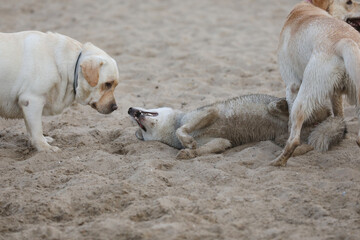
x,y
139,135
90,69
323,4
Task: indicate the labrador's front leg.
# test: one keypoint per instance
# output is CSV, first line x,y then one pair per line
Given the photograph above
x,y
32,108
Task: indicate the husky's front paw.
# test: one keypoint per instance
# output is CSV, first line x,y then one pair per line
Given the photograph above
x,y
186,154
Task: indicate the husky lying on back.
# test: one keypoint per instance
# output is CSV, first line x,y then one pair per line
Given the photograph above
x,y
244,119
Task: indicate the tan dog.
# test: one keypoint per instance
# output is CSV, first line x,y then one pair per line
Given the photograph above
x,y
319,60
43,73
245,119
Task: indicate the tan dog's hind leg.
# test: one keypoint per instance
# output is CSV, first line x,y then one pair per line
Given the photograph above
x,y
358,115
293,141
32,109
317,87
216,145
291,94
202,119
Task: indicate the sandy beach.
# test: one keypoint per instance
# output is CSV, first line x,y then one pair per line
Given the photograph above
x,y
106,184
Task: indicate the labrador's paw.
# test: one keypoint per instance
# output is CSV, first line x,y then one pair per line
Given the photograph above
x,y
49,139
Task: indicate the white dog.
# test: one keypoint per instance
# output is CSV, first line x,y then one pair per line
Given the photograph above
x,y
319,60
43,73
245,119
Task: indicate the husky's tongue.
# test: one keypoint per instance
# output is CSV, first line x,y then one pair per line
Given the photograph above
x,y
140,114
354,22
139,123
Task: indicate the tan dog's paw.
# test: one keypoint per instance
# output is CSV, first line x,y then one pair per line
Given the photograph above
x,y
302,149
186,154
278,162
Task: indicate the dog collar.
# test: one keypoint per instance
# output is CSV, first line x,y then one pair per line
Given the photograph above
x,y
76,73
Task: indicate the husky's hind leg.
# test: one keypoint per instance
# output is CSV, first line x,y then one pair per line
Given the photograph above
x,y
199,120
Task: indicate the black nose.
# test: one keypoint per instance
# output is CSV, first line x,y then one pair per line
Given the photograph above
x,y
114,107
130,111
134,112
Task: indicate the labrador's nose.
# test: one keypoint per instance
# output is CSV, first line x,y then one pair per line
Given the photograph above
x,y
114,107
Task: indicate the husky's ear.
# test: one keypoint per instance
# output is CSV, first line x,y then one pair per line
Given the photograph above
x,y
139,135
323,4
282,105
278,107
90,69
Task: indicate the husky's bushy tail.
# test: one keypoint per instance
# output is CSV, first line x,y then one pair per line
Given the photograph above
x,y
328,133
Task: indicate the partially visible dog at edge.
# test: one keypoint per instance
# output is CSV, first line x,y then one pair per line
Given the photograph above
x,y
43,73
245,119
319,61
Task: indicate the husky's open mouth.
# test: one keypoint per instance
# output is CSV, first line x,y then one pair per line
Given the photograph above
x,y
138,115
354,22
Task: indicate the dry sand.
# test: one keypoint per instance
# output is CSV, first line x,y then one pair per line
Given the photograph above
x,y
105,184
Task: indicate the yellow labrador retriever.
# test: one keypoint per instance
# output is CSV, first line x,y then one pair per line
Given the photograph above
x,y
43,73
319,61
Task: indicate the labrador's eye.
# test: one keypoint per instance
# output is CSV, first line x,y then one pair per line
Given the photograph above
x,y
108,85
349,2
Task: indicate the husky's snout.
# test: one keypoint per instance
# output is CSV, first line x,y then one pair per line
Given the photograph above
x,y
140,116
138,113
134,112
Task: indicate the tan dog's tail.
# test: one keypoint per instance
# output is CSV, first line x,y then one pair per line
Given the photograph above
x,y
328,133
350,52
